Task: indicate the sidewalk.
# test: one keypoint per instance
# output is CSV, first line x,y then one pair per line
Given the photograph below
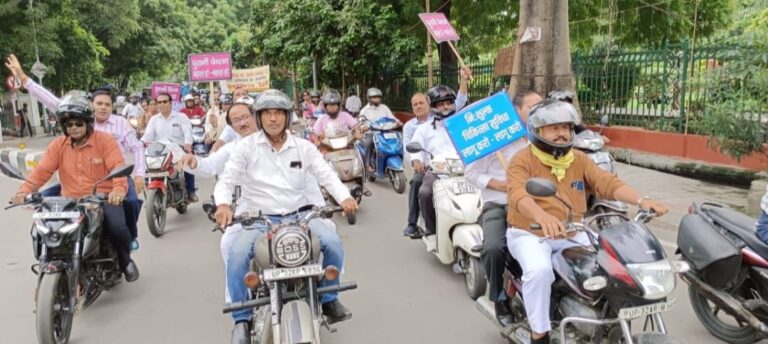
x,y
24,153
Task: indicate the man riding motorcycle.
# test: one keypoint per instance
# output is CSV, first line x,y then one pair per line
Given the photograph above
x,y
271,168
336,121
191,107
489,175
82,157
373,111
133,109
550,132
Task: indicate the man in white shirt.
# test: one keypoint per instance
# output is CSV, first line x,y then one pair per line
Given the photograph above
x,y
271,168
353,103
173,126
373,111
489,174
133,109
420,108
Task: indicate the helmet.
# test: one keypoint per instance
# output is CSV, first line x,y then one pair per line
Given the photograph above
x,y
273,99
188,97
225,98
74,105
314,94
547,113
438,94
246,100
562,95
331,97
136,95
374,92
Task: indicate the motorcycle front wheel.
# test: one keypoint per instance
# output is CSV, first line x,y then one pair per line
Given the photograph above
x,y
474,275
156,212
397,178
729,330
54,316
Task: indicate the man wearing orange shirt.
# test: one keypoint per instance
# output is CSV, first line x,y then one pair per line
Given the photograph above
x,y
83,156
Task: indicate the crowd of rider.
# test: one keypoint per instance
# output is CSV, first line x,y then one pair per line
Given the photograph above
x,y
280,174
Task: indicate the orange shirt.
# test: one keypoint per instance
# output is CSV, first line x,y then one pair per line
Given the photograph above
x,y
79,167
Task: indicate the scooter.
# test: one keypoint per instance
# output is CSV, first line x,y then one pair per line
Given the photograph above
x,y
387,153
623,275
458,204
348,164
199,147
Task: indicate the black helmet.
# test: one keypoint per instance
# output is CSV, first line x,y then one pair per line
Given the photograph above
x,y
547,113
74,105
562,95
273,99
438,94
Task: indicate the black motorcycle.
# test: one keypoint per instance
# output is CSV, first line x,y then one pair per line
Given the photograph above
x,y
623,275
728,282
76,263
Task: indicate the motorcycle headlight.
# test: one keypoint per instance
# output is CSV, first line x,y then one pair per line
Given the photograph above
x,y
291,247
155,162
440,167
196,121
357,167
456,166
656,278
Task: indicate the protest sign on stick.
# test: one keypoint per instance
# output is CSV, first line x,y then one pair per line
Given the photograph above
x,y
442,31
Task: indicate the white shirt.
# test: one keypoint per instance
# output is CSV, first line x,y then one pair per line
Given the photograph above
x,y
435,141
409,129
177,128
353,103
275,182
480,172
373,112
131,110
228,135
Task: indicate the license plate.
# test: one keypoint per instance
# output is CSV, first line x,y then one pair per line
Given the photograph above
x,y
56,215
157,174
463,187
390,136
289,273
641,311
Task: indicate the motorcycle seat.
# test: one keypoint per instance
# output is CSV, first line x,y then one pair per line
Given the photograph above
x,y
740,225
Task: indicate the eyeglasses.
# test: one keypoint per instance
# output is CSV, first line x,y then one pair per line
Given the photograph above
x,y
72,124
163,101
241,119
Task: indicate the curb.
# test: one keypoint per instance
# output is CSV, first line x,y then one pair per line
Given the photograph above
x,y
23,160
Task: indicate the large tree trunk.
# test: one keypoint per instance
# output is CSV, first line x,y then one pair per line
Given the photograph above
x,y
545,65
448,61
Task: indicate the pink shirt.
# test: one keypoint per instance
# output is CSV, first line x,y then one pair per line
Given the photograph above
x,y
343,123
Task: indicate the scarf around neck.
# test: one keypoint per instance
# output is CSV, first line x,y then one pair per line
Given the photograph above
x,y
558,165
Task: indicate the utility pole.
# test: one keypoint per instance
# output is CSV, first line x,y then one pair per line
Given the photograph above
x,y
429,52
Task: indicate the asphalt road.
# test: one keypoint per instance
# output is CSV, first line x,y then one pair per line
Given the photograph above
x,y
405,295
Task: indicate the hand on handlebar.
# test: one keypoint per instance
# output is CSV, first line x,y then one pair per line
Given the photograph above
x,y
418,166
223,215
550,225
19,198
349,206
115,197
655,206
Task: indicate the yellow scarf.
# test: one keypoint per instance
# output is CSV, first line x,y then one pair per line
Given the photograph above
x,y
558,165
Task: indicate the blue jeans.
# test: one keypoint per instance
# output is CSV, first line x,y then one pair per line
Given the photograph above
x,y
240,251
762,227
131,205
189,182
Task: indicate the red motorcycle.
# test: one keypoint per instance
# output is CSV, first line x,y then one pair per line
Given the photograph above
x,y
165,188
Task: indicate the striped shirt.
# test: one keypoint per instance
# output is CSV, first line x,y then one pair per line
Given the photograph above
x,y
764,201
117,126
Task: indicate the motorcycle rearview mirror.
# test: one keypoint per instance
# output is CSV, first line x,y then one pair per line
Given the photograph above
x,y
122,171
540,187
414,147
10,171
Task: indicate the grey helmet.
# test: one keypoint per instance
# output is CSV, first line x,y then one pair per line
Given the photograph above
x,y
273,99
331,97
374,92
562,95
551,112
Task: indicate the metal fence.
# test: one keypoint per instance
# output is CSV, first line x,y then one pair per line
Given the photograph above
x,y
669,88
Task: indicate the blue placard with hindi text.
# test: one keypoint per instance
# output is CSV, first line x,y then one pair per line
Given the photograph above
x,y
485,127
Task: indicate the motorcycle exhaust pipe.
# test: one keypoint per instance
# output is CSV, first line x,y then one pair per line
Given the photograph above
x,y
725,301
236,306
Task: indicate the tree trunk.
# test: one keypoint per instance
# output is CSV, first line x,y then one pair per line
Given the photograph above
x,y
545,65
448,61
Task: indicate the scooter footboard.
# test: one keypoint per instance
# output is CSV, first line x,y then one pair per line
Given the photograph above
x,y
468,236
297,323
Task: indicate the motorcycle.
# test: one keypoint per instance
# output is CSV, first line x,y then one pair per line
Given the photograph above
x,y
285,272
623,275
387,153
458,204
76,263
199,147
165,188
348,164
592,144
729,272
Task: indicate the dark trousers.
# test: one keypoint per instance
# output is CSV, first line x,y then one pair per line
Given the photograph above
x,y
189,182
25,125
413,199
368,144
426,202
494,223
116,230
132,205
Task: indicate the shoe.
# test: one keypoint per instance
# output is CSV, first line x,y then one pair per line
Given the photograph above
x,y
192,197
412,232
241,334
542,340
503,314
131,272
334,312
134,245
367,192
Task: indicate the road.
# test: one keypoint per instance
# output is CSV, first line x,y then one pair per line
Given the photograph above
x,y
405,295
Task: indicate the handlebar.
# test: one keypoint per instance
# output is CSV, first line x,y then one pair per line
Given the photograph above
x,y
643,216
246,220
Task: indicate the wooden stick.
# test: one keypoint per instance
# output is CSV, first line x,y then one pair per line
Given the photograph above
x,y
501,159
456,52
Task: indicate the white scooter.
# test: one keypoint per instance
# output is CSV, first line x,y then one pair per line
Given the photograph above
x,y
458,205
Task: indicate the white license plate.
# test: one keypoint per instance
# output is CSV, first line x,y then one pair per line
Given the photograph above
x,y
463,187
157,174
641,311
56,215
390,136
289,273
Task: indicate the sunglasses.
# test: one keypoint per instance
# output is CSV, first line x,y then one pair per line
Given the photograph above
x,y
72,124
163,101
